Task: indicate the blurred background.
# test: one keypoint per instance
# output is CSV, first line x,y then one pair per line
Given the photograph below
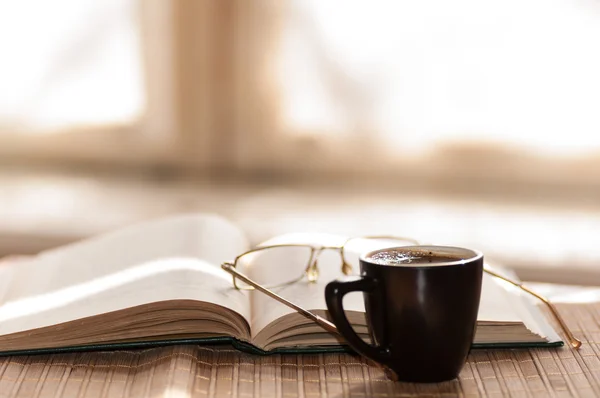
x,y
463,122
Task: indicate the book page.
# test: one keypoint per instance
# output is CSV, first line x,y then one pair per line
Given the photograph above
x,y
311,296
525,305
495,304
168,259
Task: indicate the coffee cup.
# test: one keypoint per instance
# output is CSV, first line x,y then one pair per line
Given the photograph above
x,y
421,307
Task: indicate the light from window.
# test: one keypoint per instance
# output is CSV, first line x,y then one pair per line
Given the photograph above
x,y
66,63
418,74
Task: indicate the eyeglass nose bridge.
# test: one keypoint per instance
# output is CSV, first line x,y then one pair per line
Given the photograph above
x,y
312,270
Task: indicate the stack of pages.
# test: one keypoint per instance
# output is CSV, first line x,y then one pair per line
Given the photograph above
x,y
161,283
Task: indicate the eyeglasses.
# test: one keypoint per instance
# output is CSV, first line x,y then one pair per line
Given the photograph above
x,y
301,260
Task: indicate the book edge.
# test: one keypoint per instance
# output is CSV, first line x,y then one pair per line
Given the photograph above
x,y
239,345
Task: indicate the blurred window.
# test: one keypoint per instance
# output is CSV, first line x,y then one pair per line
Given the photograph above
x,y
304,85
68,63
416,75
86,80
494,90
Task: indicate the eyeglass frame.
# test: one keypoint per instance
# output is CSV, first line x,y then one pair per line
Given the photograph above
x,y
311,272
347,268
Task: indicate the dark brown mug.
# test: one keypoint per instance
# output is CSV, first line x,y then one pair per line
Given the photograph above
x,y
421,306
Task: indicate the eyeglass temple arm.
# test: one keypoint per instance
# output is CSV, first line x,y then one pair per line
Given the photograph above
x,y
330,327
575,343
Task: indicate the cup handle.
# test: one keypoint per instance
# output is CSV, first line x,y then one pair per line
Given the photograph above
x,y
334,295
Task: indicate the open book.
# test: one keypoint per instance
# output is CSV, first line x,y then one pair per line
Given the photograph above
x,y
161,283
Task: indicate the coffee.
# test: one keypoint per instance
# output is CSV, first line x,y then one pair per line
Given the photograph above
x,y
411,258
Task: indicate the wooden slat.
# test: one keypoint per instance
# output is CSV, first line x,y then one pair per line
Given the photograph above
x,y
203,371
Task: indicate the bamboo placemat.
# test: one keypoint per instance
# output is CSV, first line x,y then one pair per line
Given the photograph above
x,y
197,371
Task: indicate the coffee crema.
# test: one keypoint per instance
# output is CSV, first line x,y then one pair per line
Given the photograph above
x,y
411,258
